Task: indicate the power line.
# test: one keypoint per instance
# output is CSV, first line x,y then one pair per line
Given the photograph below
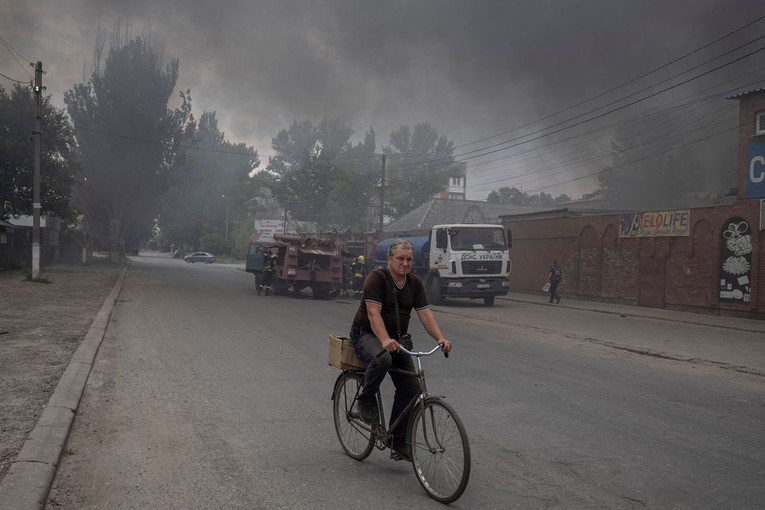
x,y
589,119
623,84
519,140
641,118
638,160
12,51
13,80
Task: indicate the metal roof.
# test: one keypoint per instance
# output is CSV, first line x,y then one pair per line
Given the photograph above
x,y
741,95
443,211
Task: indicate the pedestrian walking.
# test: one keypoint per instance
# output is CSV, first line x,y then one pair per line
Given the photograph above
x,y
554,278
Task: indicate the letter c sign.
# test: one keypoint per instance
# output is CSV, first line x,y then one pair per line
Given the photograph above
x,y
755,170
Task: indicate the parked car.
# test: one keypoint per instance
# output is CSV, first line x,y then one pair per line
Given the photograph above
x,y
200,256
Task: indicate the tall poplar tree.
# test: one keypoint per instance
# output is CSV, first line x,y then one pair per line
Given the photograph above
x,y
126,136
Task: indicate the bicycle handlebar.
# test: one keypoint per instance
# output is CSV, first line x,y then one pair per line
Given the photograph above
x,y
418,353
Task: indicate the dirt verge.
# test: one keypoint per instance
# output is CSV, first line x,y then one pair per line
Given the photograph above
x,y
41,325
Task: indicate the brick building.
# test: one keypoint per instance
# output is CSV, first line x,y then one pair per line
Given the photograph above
x,y
706,259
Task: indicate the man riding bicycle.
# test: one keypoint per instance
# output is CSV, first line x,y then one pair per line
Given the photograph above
x,y
376,332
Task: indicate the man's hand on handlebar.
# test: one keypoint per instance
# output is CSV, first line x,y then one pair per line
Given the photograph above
x,y
390,345
446,345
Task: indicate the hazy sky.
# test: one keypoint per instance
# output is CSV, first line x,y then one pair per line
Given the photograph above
x,y
474,69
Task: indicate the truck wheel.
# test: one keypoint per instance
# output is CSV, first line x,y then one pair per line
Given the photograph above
x,y
320,292
279,287
434,291
488,300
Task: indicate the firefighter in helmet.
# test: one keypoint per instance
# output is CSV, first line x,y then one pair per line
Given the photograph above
x,y
359,270
269,264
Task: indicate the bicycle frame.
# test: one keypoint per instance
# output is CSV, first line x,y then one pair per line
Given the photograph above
x,y
381,432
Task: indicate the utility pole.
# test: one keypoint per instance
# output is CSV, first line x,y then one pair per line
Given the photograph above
x,y
37,133
225,201
382,197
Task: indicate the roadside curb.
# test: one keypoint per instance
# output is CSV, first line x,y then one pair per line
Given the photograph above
x,y
29,478
728,358
695,319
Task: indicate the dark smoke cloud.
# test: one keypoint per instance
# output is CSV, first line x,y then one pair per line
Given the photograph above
x,y
472,69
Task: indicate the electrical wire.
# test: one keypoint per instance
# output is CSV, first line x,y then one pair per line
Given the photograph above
x,y
621,85
13,80
527,155
12,51
638,160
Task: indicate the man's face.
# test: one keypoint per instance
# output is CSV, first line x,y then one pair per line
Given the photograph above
x,y
400,263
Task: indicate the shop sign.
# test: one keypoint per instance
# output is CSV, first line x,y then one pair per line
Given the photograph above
x,y
655,223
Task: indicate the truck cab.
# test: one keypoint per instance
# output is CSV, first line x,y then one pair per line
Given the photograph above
x,y
468,261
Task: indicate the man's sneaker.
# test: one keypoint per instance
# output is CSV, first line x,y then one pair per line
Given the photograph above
x,y
557,299
400,450
368,412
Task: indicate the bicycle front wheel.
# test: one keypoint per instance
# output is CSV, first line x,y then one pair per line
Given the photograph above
x,y
440,450
354,435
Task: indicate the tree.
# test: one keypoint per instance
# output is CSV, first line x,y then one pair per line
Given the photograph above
x,y
211,186
645,173
514,196
507,195
57,156
356,186
419,163
126,136
319,175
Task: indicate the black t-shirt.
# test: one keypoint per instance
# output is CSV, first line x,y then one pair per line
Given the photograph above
x,y
378,288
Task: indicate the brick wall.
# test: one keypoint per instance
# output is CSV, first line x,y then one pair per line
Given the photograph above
x,y
599,265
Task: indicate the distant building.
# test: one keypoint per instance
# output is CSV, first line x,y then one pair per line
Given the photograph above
x,y
16,251
457,187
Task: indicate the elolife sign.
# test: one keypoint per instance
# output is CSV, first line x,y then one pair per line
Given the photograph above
x,y
655,223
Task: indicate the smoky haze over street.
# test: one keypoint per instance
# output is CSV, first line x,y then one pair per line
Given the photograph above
x,y
474,70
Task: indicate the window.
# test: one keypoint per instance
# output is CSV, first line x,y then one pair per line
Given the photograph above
x,y
456,181
759,125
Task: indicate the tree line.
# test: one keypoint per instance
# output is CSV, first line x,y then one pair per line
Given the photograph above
x,y
123,166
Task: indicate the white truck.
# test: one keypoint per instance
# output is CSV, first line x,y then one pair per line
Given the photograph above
x,y
459,260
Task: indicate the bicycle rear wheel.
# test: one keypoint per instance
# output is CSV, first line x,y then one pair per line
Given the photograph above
x,y
440,450
354,435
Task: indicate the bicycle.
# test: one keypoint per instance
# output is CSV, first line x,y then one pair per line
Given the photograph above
x,y
440,450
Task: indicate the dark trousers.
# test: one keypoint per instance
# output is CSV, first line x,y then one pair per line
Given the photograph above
x,y
367,347
553,290
358,284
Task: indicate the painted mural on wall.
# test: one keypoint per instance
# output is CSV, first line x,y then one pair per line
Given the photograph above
x,y
655,223
736,261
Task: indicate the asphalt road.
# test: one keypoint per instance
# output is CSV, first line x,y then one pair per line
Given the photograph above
x,y
204,395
